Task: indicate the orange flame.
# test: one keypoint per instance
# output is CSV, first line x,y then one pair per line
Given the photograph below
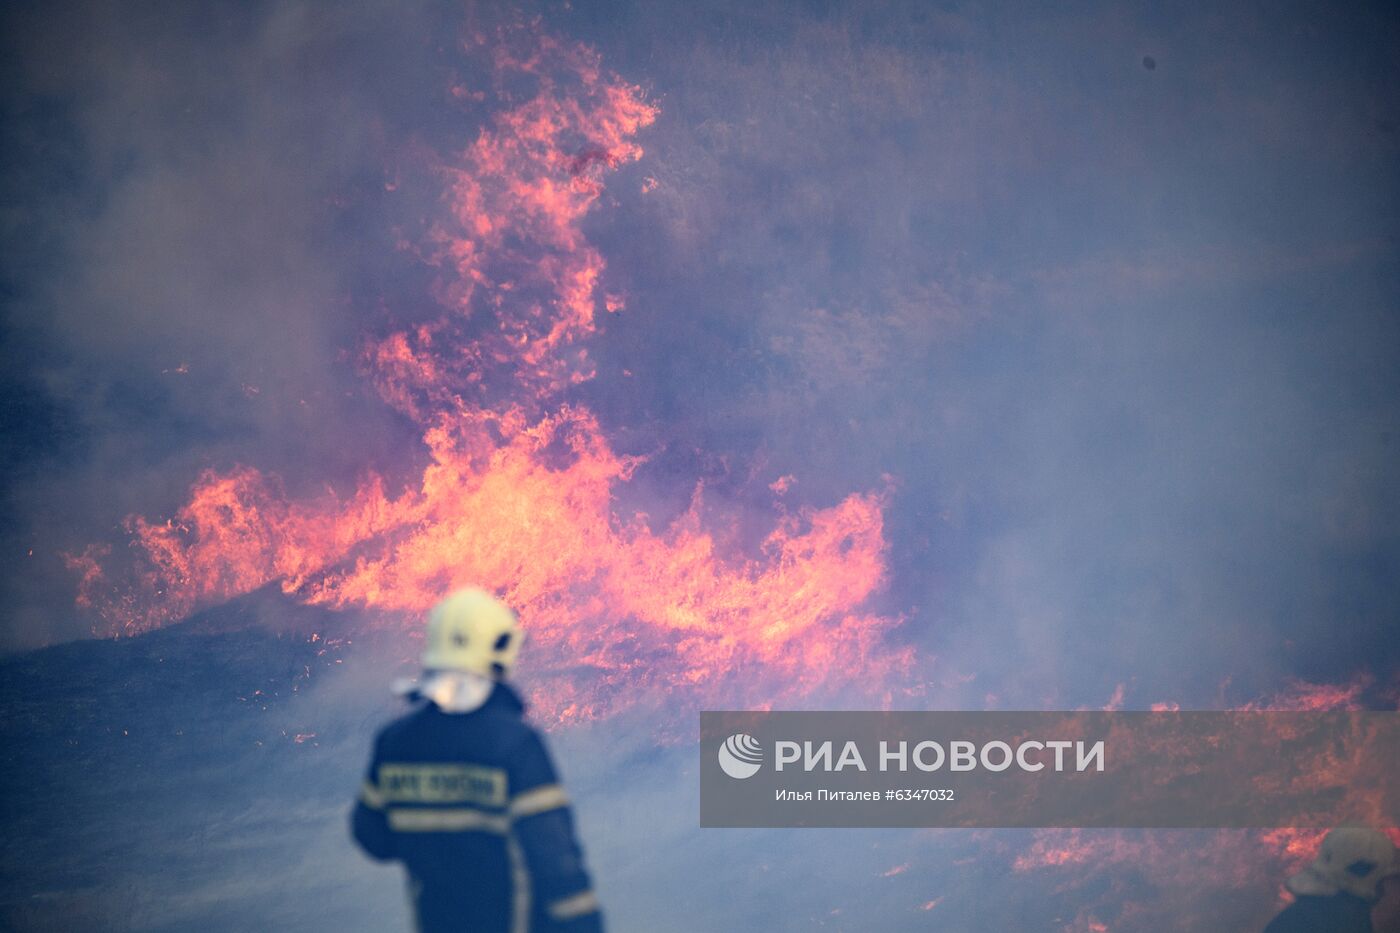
x,y
1209,860
518,492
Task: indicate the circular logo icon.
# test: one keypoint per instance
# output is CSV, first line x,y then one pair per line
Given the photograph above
x,y
740,756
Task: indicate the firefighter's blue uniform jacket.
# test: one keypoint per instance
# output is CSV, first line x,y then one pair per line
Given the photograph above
x,y
1340,913
470,803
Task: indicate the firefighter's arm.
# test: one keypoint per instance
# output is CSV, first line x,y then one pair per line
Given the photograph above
x,y
368,822
543,825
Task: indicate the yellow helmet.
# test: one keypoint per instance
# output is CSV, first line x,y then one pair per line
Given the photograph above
x,y
471,630
1352,859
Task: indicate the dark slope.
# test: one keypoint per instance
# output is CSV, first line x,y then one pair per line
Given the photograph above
x,y
195,776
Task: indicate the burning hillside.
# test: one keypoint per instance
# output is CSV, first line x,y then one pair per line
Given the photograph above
x,y
518,494
1112,492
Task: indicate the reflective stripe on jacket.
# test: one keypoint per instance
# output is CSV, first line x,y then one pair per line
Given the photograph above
x,y
471,804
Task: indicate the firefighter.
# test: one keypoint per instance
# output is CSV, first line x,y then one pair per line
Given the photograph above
x,y
1335,894
462,791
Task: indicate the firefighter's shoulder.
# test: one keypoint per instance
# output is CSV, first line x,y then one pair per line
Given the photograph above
x,y
416,735
396,729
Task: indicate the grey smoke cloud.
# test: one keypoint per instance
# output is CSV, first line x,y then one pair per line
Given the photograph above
x,y
1124,340
1109,330
198,244
1124,337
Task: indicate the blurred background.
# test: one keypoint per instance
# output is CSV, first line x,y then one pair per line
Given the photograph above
x,y
804,355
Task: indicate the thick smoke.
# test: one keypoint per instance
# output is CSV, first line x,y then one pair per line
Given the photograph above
x,y
1125,338
197,237
517,489
1114,349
